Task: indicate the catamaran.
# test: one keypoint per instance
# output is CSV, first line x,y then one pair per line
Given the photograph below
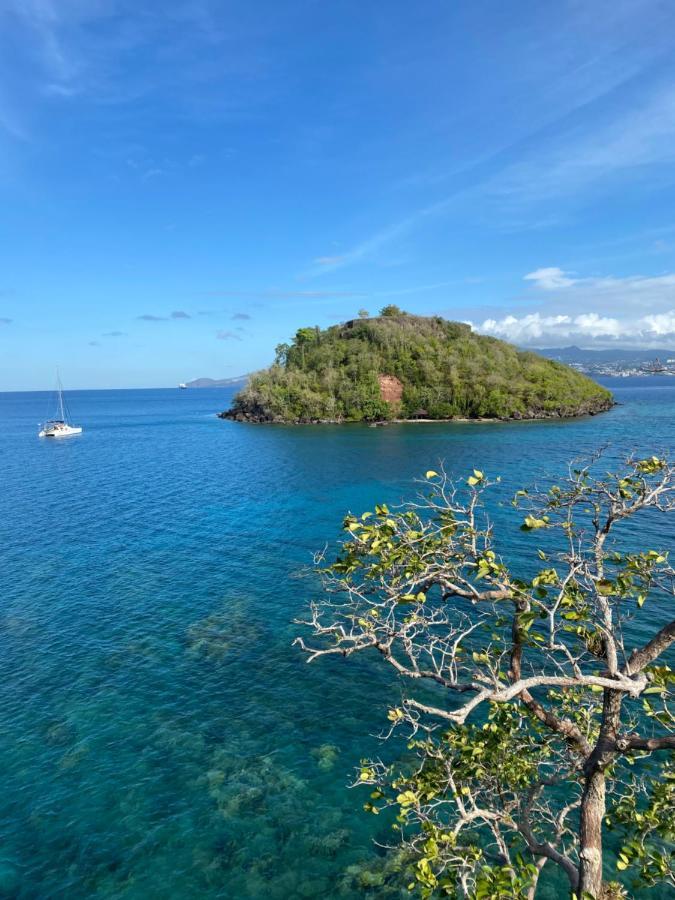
x,y
59,425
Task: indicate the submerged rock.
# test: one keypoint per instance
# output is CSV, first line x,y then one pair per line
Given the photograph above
x,y
326,756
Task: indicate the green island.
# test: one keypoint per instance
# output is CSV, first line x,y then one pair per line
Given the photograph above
x,y
398,366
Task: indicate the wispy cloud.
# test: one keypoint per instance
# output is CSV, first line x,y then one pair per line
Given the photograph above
x,y
4,320
115,334
371,246
419,288
632,142
328,260
41,27
549,279
228,336
10,121
607,292
73,48
274,294
635,140
155,172
241,316
94,343
550,173
176,315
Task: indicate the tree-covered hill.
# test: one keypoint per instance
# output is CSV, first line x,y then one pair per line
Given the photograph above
x,y
404,366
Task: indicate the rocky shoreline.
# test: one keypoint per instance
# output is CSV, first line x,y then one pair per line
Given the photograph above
x,y
592,408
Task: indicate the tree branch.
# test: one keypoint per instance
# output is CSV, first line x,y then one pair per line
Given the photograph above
x,y
652,650
547,850
503,695
563,727
630,742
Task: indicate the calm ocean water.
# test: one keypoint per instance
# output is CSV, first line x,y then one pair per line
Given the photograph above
x,y
159,736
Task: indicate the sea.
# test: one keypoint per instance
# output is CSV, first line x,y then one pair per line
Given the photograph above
x,y
160,736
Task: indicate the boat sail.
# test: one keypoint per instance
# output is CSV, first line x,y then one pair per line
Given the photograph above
x,y
59,425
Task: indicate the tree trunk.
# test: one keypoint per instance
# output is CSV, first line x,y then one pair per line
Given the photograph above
x,y
590,856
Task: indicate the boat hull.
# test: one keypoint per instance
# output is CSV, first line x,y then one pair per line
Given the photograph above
x,y
63,431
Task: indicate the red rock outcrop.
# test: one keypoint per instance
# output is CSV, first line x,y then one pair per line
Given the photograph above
x,y
391,389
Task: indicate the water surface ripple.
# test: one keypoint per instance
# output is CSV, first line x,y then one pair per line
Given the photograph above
x,y
159,736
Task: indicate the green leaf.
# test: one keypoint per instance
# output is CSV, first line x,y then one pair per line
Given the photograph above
x,y
531,522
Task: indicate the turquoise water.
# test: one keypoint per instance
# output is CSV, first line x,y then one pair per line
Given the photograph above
x,y
159,736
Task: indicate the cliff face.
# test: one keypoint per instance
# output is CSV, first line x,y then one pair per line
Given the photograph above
x,y
391,389
411,367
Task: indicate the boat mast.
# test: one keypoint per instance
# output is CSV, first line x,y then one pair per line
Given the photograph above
x,y
59,388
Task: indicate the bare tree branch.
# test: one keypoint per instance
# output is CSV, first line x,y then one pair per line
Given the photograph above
x,y
520,685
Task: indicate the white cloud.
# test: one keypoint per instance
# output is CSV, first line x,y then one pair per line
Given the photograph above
x,y
663,323
525,329
598,326
587,329
607,293
637,310
549,279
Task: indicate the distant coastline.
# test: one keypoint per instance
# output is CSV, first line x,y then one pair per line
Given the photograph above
x,y
217,382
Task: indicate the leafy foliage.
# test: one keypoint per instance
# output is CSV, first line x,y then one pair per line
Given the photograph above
x,y
527,707
446,371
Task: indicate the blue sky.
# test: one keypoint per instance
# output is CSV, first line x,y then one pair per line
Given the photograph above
x,y
185,183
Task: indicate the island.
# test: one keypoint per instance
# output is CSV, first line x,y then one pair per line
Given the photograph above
x,y
217,382
403,367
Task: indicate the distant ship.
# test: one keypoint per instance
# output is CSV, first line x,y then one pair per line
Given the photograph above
x,y
59,425
655,368
182,386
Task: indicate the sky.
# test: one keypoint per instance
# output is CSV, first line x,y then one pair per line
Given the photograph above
x,y
185,183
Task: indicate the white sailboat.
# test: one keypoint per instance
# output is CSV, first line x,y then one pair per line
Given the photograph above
x,y
59,425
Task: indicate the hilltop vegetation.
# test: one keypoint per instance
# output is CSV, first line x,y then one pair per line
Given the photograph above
x,y
424,367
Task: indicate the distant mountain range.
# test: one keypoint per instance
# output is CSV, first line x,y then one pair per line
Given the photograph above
x,y
217,382
614,355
